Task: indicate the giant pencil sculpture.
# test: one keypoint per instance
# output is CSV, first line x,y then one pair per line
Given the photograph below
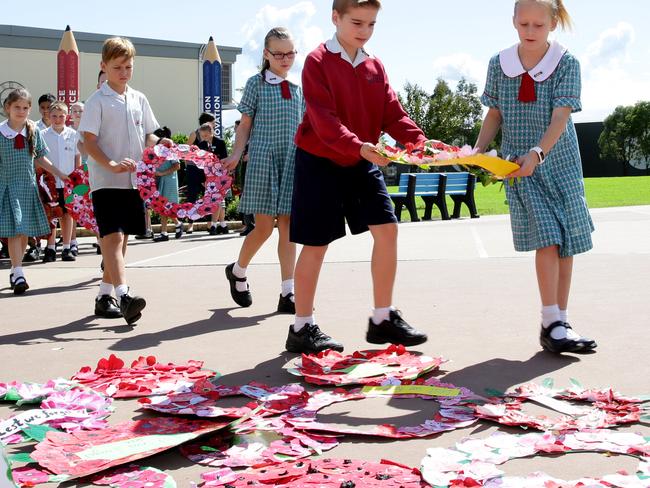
x,y
68,69
212,84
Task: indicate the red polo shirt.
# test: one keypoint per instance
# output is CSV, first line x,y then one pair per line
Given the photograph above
x,y
348,106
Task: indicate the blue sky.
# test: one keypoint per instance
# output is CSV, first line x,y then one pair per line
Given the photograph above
x,y
418,40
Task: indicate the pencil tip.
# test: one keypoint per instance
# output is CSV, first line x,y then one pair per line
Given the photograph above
x,y
211,39
67,29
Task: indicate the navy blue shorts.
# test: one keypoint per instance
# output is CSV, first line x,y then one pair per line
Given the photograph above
x,y
327,195
118,210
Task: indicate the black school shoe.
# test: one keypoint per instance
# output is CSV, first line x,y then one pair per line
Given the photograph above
x,y
74,249
106,306
49,255
67,255
557,346
224,230
394,330
11,281
146,235
286,304
32,255
178,231
214,230
310,340
241,298
131,306
20,285
161,238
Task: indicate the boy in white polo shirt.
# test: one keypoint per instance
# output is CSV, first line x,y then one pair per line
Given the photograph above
x,y
62,143
117,125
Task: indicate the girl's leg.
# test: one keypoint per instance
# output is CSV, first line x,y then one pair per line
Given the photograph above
x,y
564,283
16,246
286,249
547,265
255,239
163,224
384,263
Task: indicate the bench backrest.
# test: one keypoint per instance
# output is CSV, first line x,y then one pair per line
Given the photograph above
x,y
403,182
457,182
427,182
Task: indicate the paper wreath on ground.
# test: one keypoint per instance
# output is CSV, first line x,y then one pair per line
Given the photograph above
x,y
145,377
83,453
454,409
607,408
77,199
217,181
21,393
203,398
258,442
135,477
363,367
335,473
473,462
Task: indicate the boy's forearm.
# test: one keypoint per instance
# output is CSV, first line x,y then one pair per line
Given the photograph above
x,y
97,154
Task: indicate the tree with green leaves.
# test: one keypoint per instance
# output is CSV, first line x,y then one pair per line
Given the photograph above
x,y
626,135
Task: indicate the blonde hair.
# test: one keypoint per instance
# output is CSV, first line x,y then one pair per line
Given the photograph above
x,y
59,105
280,33
13,97
559,12
116,48
342,6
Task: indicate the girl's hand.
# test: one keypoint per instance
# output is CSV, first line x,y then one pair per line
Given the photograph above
x,y
166,142
231,162
369,153
527,164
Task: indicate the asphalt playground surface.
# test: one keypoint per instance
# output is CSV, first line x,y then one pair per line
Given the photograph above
x,y
460,281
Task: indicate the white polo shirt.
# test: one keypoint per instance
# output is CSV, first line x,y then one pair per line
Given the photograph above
x,y
121,124
62,149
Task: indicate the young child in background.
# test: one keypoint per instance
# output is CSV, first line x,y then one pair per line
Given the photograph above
x,y
272,108
44,102
167,184
209,142
531,90
76,111
62,144
349,104
117,125
21,210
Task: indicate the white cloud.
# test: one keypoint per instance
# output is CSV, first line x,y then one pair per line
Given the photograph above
x,y
459,65
612,47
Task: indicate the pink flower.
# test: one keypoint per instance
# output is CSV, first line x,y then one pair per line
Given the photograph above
x,y
29,477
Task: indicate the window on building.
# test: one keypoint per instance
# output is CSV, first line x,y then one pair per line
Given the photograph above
x,y
226,84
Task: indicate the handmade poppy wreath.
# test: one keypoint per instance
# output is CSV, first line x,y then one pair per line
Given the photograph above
x,y
258,442
473,462
364,367
454,411
217,181
334,473
606,408
203,399
77,199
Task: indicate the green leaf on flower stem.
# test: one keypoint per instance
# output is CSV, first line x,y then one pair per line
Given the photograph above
x,y
80,190
38,432
548,383
21,457
575,382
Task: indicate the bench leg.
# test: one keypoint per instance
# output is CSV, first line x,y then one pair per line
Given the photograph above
x,y
441,203
399,205
458,200
412,208
471,204
428,207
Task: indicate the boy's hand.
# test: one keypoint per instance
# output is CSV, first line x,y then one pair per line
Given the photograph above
x,y
230,162
166,142
527,164
127,165
369,153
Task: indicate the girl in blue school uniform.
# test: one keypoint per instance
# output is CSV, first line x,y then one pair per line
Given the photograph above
x,y
21,210
531,90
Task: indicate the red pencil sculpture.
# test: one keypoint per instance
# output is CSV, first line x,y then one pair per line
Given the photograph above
x,y
68,69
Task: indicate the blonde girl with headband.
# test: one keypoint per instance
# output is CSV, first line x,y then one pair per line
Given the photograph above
x,y
21,211
531,91
272,108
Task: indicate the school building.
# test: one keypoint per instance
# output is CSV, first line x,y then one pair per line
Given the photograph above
x,y
169,73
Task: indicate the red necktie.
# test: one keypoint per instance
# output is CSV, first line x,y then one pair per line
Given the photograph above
x,y
19,142
286,92
527,89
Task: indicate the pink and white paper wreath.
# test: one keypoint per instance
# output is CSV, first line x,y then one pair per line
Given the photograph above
x,y
605,408
454,411
203,400
258,442
473,462
364,367
77,199
217,181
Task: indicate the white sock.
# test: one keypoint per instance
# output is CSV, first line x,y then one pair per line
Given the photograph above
x,y
105,289
240,272
381,314
53,247
564,315
223,224
550,314
18,271
287,287
301,322
73,242
66,246
121,290
163,233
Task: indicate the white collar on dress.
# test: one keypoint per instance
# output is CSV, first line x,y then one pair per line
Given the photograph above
x,y
512,67
334,46
9,133
271,78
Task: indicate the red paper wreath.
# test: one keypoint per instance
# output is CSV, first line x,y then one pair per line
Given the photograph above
x,y
77,199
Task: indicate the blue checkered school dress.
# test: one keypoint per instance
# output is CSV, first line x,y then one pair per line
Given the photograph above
x,y
549,207
268,186
21,210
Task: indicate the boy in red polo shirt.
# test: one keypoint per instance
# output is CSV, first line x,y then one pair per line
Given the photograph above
x,y
349,104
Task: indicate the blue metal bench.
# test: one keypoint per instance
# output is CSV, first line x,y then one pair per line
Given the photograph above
x,y
433,188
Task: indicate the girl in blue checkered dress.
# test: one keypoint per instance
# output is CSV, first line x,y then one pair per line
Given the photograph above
x,y
272,108
21,210
531,90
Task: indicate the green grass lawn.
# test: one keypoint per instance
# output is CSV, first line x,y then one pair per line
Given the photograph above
x,y
601,192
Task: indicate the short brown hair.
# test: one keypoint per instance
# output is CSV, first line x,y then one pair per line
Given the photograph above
x,y
205,127
117,47
59,105
342,6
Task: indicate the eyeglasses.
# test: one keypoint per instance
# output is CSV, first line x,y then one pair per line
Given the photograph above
x,y
281,56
